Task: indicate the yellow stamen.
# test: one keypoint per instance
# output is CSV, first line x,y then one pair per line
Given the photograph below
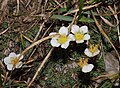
x,y
78,36
93,48
82,62
62,39
14,61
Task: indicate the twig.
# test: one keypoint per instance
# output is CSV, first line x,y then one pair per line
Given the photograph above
x,y
39,5
58,3
40,29
28,3
31,26
102,31
2,67
27,38
44,7
18,6
110,14
36,43
84,8
6,29
116,20
40,67
55,8
105,20
115,15
75,16
47,29
110,76
6,76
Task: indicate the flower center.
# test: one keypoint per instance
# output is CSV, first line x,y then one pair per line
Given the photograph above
x,y
93,48
62,39
14,61
82,62
78,36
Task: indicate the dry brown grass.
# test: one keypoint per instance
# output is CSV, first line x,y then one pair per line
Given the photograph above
x,y
31,19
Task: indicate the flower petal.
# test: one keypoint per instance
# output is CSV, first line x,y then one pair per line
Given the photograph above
x,y
96,52
10,67
7,60
75,28
63,30
83,29
86,37
71,37
65,45
79,41
87,68
88,53
12,54
20,57
52,33
19,65
54,43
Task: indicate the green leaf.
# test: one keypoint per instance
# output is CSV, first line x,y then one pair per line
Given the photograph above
x,y
80,9
22,41
106,84
60,17
62,10
4,25
85,19
68,4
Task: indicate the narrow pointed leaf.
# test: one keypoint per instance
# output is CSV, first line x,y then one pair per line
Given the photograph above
x,y
60,17
85,19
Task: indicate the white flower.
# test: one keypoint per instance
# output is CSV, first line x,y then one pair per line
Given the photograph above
x,y
80,33
62,39
12,61
83,63
92,50
87,68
